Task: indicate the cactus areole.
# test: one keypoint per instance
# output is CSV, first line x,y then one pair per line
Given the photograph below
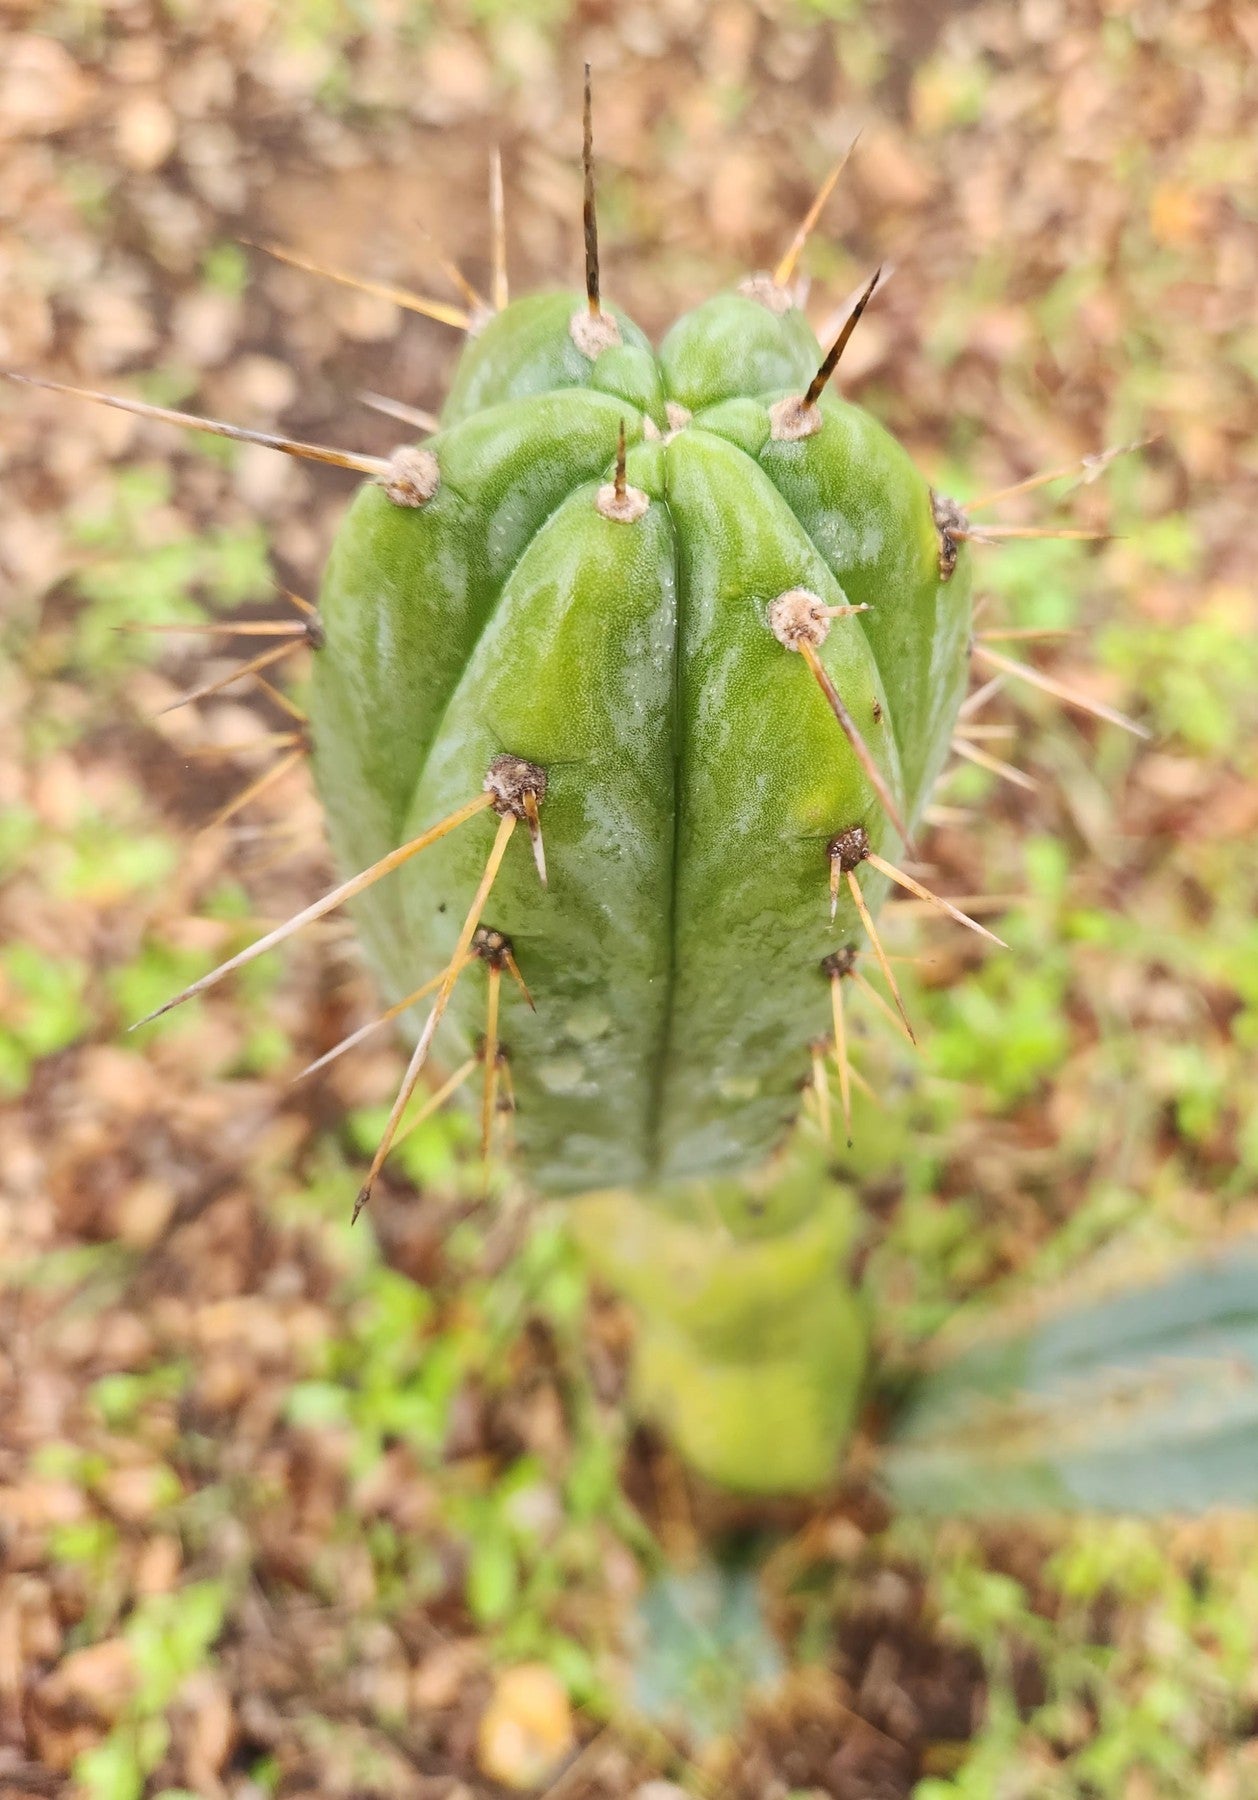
x,y
629,621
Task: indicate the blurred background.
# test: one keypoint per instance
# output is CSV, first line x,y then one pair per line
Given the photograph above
x,y
291,1511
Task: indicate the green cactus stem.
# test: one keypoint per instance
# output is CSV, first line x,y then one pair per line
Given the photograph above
x,y
621,572
632,635
751,1346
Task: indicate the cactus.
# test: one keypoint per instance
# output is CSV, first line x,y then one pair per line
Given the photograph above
x,y
1142,1398
700,626
625,628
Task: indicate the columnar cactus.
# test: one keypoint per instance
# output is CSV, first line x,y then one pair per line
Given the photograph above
x,y
607,569
698,624
634,639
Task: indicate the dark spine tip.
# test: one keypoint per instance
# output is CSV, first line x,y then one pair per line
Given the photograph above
x,y
316,636
157,1013
589,214
840,343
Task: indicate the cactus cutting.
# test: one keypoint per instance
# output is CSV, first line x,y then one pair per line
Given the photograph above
x,y
628,922
696,623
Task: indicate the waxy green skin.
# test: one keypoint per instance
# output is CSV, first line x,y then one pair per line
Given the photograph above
x,y
695,777
695,771
750,1349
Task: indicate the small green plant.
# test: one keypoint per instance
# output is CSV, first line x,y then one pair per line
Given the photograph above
x,y
168,1637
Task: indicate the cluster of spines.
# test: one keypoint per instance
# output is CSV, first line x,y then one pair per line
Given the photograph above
x,y
514,788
